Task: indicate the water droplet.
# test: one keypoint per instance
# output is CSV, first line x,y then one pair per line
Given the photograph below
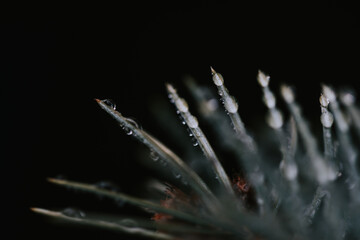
x,y
256,178
347,97
324,101
329,93
192,121
327,119
212,104
269,99
274,119
171,98
127,130
133,122
110,103
290,171
129,223
154,156
194,142
231,105
190,132
177,175
220,92
73,212
107,185
181,119
260,201
182,105
218,79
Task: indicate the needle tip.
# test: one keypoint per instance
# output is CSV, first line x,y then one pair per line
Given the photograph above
x,y
170,88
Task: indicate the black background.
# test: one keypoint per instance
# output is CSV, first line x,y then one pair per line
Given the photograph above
x,y
56,59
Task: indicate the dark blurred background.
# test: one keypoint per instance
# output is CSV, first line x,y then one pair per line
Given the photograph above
x,y
56,59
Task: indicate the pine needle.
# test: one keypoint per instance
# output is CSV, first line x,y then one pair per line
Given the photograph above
x,y
199,135
126,198
165,153
137,231
323,172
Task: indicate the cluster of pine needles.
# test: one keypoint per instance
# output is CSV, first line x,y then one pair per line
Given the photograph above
x,y
312,192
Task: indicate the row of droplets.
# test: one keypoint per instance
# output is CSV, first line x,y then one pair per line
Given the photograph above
x,y
127,130
77,213
153,154
156,158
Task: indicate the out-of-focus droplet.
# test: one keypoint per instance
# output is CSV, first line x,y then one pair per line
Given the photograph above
x,y
212,104
269,99
327,119
181,105
154,156
231,105
260,201
289,170
347,97
324,101
171,98
177,175
275,119
192,122
130,223
107,185
329,93
73,212
110,103
256,178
